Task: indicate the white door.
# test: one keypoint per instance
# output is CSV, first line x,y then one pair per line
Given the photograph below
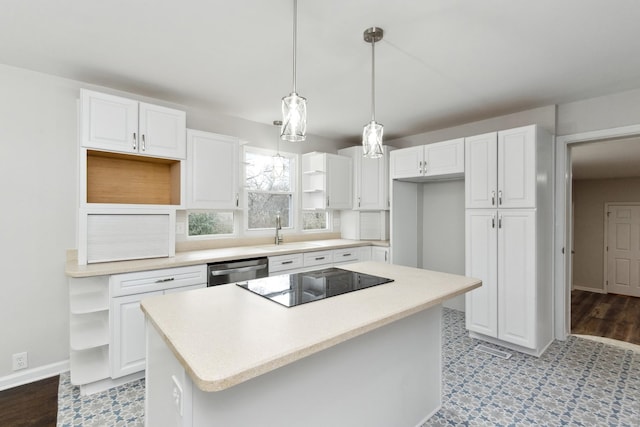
x,y
517,277
623,254
406,162
481,262
109,122
444,158
127,347
212,171
517,168
481,174
339,177
162,131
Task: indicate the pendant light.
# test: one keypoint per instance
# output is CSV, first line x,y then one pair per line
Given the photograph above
x,y
278,159
294,106
372,133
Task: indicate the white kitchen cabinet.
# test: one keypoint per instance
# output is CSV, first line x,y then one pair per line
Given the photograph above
x,y
509,248
127,327
432,161
119,124
380,254
370,179
213,163
501,169
501,250
364,225
326,181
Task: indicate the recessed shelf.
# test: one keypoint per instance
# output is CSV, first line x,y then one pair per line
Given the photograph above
x,y
312,172
313,191
89,330
90,365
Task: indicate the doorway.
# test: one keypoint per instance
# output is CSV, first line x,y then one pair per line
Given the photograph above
x,y
585,267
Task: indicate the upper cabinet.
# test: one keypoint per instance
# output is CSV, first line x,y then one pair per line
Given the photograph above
x,y
501,169
213,164
326,181
370,179
123,125
432,161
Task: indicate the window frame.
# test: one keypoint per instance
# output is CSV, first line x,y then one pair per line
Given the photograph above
x,y
294,178
236,225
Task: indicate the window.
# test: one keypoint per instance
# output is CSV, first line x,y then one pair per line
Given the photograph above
x,y
269,181
209,223
314,220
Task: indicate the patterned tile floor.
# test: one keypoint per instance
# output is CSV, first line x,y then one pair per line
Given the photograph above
x,y
578,382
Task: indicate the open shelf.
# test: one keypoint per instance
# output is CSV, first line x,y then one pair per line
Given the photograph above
x,y
132,179
90,365
89,330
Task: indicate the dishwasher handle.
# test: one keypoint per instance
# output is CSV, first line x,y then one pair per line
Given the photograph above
x,y
225,271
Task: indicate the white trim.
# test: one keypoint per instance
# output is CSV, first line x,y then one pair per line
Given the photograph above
x,y
588,289
562,286
34,374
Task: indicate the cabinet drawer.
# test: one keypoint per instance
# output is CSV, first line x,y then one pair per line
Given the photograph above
x,y
346,255
285,262
156,280
318,258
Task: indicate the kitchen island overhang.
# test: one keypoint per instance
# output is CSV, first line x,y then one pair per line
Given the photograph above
x,y
247,350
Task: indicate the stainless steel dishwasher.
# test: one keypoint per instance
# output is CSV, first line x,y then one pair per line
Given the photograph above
x,y
220,273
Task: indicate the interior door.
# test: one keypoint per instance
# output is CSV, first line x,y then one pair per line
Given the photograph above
x,y
623,249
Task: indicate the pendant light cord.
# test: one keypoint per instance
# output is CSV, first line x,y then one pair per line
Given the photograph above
x,y
373,81
295,44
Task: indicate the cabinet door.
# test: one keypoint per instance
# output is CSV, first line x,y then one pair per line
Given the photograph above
x,y
444,158
480,262
162,131
406,162
517,168
371,183
517,277
380,254
339,176
212,171
127,347
481,171
109,122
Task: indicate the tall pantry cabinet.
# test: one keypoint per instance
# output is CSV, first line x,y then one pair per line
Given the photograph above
x,y
508,232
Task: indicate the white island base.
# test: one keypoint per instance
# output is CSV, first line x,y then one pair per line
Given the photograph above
x,y
390,376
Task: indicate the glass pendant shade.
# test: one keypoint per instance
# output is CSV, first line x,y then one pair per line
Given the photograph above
x,y
372,140
294,113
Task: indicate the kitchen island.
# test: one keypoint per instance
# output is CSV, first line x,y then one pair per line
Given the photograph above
x,y
223,356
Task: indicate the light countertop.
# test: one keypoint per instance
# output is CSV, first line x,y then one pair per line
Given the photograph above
x,y
181,259
225,335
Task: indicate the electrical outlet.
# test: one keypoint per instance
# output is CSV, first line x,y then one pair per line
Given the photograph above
x,y
20,361
176,393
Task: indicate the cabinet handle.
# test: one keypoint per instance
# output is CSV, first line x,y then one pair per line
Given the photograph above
x,y
286,262
385,256
346,254
144,143
168,279
424,167
500,197
493,198
500,221
420,167
358,201
319,258
327,201
237,200
135,143
493,221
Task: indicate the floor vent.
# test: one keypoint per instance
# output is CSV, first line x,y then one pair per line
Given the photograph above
x,y
493,351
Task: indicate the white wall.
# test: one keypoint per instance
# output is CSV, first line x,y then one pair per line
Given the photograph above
x,y
38,219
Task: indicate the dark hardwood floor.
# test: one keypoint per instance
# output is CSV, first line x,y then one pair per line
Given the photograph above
x,y
34,404
606,315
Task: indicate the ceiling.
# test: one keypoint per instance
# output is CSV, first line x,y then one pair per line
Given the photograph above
x,y
441,63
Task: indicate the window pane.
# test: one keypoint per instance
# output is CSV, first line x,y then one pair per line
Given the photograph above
x,y
264,207
314,220
260,174
206,223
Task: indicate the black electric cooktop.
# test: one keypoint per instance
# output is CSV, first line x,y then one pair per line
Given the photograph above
x,y
300,288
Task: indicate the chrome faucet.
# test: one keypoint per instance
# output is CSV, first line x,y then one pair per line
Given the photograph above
x,y
278,238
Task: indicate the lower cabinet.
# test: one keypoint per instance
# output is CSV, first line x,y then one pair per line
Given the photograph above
x,y
380,254
501,250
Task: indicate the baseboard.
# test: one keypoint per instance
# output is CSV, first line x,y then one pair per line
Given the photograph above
x,y
35,374
588,289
